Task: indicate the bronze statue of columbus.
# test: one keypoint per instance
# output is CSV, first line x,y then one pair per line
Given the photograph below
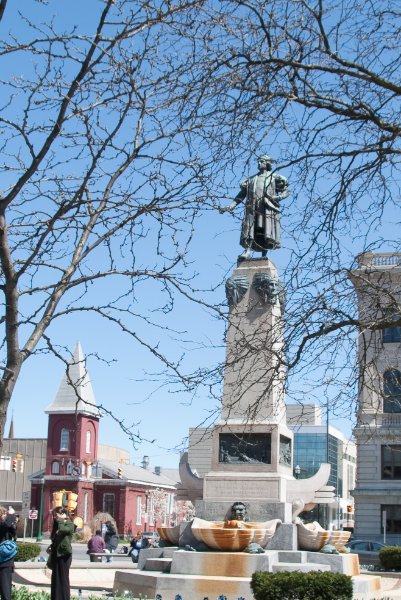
x,y
261,222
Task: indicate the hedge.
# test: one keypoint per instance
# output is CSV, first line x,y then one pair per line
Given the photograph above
x,y
315,585
27,551
390,557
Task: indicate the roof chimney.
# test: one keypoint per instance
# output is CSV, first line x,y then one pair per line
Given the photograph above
x,y
158,470
145,462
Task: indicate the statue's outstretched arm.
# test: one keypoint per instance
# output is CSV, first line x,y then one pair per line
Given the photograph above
x,y
238,198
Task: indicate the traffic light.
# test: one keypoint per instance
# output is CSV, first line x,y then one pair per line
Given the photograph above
x,y
72,502
57,499
14,465
20,462
119,473
349,508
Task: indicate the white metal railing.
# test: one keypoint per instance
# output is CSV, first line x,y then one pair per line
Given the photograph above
x,y
379,259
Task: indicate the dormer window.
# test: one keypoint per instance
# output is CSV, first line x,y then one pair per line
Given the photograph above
x,y
64,439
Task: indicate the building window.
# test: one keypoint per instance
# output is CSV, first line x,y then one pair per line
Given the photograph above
x,y
139,510
5,463
55,467
64,439
88,442
312,449
392,334
391,462
393,517
108,504
392,391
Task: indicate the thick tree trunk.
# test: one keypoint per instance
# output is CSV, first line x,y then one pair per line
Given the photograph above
x,y
12,365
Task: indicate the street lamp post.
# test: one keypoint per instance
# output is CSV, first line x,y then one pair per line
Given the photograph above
x,y
338,498
42,488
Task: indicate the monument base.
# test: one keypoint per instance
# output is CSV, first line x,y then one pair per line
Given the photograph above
x,y
195,575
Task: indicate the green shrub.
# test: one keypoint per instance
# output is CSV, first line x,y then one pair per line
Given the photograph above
x,y
315,585
23,593
390,557
27,551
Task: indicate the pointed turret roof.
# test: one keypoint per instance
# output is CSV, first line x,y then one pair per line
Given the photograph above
x,y
75,393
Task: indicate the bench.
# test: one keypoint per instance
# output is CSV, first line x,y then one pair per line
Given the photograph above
x,y
98,556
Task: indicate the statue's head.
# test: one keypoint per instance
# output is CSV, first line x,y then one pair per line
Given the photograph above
x,y
266,161
238,511
272,287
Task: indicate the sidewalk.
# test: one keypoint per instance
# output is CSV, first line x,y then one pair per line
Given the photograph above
x,y
91,578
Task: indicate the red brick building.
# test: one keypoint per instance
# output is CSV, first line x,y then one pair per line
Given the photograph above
x,y
135,496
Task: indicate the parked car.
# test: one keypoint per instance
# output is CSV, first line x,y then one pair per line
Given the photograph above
x,y
367,551
152,536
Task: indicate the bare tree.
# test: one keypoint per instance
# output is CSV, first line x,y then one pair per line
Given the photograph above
x,y
317,85
158,506
100,185
115,133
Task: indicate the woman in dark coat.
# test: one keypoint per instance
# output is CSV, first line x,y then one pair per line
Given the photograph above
x,y
7,532
61,554
110,539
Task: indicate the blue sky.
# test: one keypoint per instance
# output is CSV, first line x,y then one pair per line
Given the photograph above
x,y
162,412
124,386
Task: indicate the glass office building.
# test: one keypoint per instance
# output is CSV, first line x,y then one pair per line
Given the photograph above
x,y
316,443
312,448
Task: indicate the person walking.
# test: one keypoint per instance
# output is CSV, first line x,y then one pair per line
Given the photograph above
x,y
96,544
61,554
111,539
7,532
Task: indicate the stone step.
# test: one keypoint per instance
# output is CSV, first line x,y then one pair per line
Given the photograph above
x,y
301,567
292,556
368,586
158,564
150,583
222,564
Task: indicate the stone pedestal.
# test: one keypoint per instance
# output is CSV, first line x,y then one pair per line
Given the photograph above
x,y
253,379
251,446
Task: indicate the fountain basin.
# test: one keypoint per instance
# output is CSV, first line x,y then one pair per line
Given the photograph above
x,y
312,536
170,534
233,536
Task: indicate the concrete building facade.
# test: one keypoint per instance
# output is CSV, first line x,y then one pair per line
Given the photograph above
x,y
377,282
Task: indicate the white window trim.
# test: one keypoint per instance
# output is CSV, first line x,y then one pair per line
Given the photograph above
x,y
138,510
86,495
